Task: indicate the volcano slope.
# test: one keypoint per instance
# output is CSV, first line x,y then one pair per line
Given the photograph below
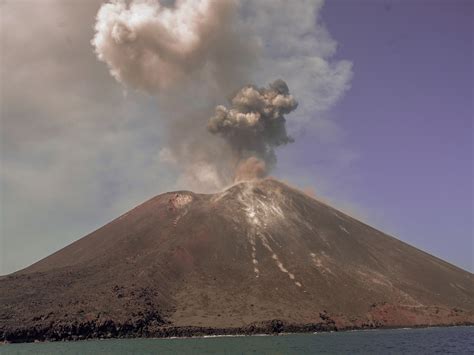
x,y
257,257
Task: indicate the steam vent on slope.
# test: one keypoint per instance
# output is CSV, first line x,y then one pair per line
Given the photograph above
x,y
259,257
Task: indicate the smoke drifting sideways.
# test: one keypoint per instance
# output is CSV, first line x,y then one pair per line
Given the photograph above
x,y
253,126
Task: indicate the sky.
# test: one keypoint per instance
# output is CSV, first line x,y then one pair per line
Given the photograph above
x,y
410,117
387,136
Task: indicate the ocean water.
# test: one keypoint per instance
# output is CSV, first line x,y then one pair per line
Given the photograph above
x,y
454,340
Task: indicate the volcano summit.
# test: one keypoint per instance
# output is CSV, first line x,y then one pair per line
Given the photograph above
x,y
257,257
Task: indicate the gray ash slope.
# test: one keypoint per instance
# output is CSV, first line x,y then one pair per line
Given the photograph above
x,y
257,252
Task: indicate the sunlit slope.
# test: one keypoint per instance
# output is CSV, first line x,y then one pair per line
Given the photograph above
x,y
256,252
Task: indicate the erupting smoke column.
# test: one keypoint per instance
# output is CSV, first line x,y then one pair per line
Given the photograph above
x,y
254,125
189,54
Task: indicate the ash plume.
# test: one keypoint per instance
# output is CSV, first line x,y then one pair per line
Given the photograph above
x,y
186,53
158,46
250,169
254,125
189,54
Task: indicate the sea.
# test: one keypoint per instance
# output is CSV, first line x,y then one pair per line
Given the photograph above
x,y
452,340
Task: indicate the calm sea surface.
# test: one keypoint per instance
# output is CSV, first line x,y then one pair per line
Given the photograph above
x,y
456,340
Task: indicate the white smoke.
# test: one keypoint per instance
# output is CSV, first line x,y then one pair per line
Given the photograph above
x,y
299,49
153,47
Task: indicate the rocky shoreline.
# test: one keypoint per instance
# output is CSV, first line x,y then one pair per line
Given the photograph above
x,y
110,330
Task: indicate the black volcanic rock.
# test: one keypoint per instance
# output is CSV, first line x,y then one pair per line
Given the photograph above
x,y
258,257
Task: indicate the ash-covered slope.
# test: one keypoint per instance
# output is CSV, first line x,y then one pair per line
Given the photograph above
x,y
235,261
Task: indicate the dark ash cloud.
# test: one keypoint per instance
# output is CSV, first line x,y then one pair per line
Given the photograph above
x,y
255,124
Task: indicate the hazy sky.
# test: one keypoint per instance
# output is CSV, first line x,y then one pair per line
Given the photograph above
x,y
395,149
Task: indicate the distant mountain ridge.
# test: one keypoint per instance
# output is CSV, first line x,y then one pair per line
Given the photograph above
x,y
257,257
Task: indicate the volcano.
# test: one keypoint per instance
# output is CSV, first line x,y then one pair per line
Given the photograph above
x,y
258,257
